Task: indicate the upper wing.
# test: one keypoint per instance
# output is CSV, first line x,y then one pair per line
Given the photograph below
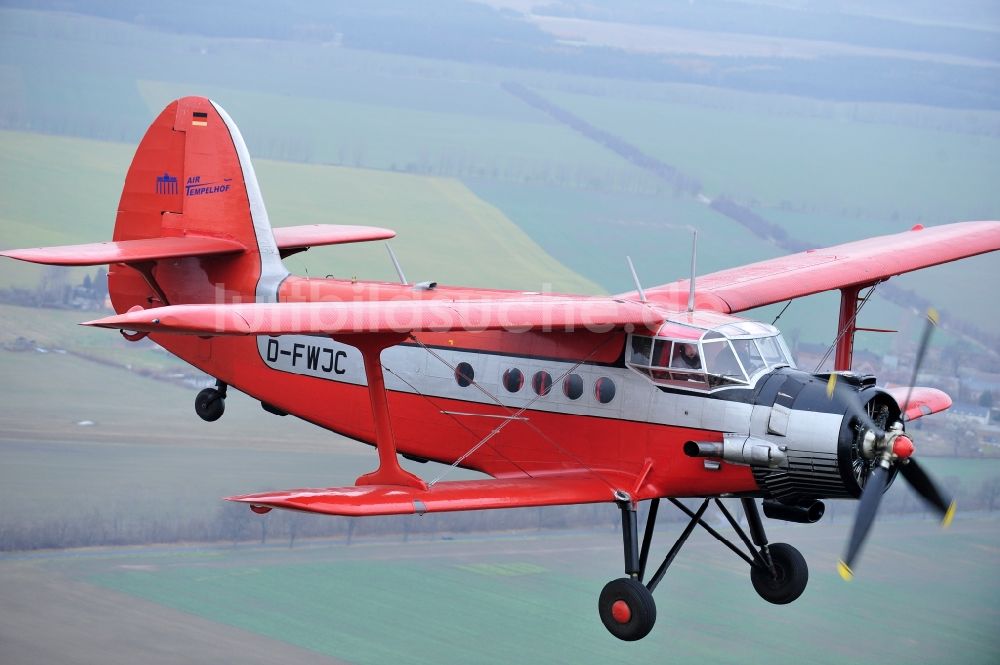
x,y
396,316
855,263
367,500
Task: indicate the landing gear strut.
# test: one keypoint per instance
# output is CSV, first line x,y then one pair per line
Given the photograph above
x,y
778,572
210,403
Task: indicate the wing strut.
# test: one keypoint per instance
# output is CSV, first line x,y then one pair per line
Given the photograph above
x,y
849,302
389,471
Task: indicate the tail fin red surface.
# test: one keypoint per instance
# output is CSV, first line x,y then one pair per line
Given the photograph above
x,y
192,176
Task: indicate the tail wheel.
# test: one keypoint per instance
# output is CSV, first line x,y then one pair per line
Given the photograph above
x,y
791,574
210,404
627,609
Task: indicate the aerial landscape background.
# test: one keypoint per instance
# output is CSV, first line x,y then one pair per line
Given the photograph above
x,y
512,144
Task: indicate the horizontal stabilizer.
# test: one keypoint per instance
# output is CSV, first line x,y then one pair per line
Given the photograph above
x,y
396,316
291,239
923,401
126,251
371,500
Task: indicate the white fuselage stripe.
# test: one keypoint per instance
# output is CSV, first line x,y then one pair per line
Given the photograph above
x,y
413,370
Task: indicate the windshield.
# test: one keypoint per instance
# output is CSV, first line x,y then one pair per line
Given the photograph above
x,y
749,355
715,360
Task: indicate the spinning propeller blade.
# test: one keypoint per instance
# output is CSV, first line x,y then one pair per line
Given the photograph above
x,y
925,338
871,497
928,489
891,448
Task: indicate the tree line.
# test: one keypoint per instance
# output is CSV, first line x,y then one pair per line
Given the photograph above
x,y
236,524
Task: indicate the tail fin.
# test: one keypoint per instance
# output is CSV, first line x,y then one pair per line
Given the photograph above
x,y
191,225
192,176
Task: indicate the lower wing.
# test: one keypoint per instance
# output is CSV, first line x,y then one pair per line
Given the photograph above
x,y
369,500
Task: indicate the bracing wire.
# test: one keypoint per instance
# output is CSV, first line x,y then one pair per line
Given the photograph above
x,y
850,324
516,415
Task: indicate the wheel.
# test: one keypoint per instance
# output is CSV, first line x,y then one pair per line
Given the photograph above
x,y
791,577
627,609
210,404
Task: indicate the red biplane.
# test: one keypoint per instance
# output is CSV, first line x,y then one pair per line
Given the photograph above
x,y
560,399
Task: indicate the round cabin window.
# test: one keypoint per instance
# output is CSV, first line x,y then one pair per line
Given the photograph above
x,y
513,379
604,390
541,383
464,375
573,386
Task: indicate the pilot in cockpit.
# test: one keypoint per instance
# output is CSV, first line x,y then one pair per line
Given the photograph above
x,y
686,357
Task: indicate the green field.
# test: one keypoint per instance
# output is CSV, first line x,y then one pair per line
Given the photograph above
x,y
483,190
94,453
302,102
841,167
606,227
521,598
445,232
965,289
830,164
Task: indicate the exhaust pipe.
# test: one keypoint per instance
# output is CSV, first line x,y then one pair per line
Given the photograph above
x,y
806,512
703,449
739,449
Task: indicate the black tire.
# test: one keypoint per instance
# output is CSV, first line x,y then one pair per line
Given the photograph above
x,y
210,404
792,575
639,614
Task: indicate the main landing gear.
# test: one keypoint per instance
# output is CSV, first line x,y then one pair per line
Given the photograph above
x,y
210,403
778,572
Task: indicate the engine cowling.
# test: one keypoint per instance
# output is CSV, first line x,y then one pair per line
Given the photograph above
x,y
805,442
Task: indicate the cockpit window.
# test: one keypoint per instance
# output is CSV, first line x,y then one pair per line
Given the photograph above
x,y
749,355
642,350
721,364
685,356
771,351
716,359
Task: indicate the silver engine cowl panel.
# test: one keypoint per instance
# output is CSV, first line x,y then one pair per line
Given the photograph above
x,y
813,439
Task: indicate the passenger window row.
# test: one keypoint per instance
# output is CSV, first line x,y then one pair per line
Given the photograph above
x,y
541,383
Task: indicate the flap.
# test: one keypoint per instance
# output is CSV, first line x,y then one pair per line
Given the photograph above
x,y
369,500
317,235
923,401
126,251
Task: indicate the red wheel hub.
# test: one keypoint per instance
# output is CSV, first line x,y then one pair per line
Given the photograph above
x,y
621,612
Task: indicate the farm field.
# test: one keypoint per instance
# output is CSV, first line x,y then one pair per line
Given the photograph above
x,y
445,232
846,170
501,598
93,453
303,102
100,446
829,164
483,190
966,289
592,233
795,170
89,446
